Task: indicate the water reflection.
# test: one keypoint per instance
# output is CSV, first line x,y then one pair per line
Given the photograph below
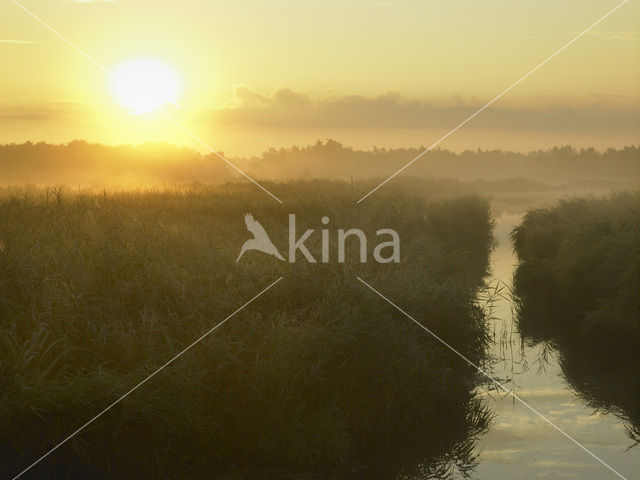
x,y
614,390
446,452
593,405
605,384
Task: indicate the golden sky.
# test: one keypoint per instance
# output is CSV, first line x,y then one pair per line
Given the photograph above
x,y
389,73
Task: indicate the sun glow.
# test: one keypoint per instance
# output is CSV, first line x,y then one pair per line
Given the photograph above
x,y
145,85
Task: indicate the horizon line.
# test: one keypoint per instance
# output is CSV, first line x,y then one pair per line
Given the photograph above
x,y
325,142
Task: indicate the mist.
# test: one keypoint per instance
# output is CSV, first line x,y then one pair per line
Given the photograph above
x,y
79,163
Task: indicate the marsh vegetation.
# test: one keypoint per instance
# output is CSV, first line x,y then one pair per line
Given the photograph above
x,y
578,290
317,375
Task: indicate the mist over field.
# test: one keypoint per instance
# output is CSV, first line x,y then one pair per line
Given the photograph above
x,y
84,164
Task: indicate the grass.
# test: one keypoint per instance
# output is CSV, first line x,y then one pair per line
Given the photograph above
x,y
579,270
577,285
317,375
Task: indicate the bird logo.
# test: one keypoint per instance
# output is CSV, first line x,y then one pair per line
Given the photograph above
x,y
260,240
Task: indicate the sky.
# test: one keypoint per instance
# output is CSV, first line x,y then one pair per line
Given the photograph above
x,y
254,75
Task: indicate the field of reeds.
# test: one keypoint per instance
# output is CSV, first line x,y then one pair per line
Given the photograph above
x,y
579,272
317,376
577,287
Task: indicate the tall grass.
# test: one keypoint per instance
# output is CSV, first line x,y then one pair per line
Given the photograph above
x,y
578,286
579,270
317,375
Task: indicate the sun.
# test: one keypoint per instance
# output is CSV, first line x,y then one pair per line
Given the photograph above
x,y
145,85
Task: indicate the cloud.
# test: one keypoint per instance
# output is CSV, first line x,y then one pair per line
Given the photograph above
x,y
17,42
54,110
501,455
286,108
